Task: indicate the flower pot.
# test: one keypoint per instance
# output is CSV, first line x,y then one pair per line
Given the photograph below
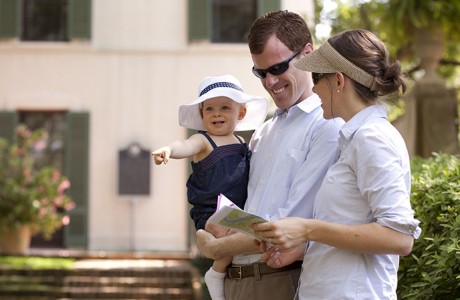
x,y
15,241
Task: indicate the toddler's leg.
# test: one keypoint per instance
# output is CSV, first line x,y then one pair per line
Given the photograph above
x,y
214,278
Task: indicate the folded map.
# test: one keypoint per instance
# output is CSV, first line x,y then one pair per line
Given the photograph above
x,y
231,216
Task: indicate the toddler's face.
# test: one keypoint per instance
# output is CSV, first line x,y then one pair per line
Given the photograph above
x,y
221,114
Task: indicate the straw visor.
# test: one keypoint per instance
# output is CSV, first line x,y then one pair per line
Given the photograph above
x,y
226,86
326,59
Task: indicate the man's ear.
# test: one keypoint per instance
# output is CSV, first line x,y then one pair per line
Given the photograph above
x,y
308,48
242,113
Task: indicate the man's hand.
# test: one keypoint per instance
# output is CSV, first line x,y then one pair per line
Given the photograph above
x,y
206,243
276,258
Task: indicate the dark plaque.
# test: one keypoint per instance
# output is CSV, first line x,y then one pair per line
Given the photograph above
x,y
134,171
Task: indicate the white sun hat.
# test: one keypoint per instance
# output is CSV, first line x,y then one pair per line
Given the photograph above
x,y
226,86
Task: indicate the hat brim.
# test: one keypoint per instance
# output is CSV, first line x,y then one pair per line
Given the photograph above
x,y
256,110
326,59
315,62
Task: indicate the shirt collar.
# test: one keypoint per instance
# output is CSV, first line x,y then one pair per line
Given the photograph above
x,y
369,113
306,105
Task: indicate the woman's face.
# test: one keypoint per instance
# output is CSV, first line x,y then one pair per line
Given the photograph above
x,y
323,87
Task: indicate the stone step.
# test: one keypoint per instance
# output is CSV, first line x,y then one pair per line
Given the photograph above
x,y
75,281
98,293
179,281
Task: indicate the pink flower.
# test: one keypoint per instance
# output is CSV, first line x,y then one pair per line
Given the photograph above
x,y
43,212
58,201
63,186
44,202
40,145
69,206
65,220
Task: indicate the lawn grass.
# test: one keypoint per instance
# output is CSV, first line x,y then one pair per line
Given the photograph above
x,y
33,262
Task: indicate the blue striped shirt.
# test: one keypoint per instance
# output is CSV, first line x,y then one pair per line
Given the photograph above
x,y
290,156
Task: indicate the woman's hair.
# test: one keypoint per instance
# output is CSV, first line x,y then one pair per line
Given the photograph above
x,y
287,26
368,52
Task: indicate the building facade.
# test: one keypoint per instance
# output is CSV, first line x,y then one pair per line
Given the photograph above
x,y
105,75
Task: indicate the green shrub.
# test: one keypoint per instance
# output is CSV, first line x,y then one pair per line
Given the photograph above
x,y
432,271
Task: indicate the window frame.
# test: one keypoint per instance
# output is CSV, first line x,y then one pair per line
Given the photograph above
x,y
75,168
78,24
200,17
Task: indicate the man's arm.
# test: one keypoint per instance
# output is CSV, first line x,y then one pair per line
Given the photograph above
x,y
230,245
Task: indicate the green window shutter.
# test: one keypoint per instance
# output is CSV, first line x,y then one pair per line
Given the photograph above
x,y
9,11
199,19
265,6
79,19
76,163
8,123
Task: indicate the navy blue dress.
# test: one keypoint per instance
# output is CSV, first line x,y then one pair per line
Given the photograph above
x,y
225,170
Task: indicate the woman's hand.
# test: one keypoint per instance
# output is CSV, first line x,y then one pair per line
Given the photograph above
x,y
284,233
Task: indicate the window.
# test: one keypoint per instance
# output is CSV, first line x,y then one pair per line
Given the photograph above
x,y
67,149
225,21
52,154
54,122
45,20
231,20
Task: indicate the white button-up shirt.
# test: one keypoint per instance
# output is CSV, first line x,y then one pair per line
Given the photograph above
x,y
290,156
369,183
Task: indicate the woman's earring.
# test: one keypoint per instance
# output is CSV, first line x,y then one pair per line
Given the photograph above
x,y
338,91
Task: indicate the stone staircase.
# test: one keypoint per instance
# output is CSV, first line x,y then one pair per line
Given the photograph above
x,y
104,279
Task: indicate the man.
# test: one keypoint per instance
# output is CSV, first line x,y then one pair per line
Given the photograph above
x,y
290,156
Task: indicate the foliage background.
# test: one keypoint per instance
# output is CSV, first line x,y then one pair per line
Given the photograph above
x,y
432,271
394,22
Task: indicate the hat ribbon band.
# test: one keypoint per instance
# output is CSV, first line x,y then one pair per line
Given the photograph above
x,y
220,85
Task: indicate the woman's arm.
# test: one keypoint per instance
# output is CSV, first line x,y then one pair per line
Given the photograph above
x,y
366,238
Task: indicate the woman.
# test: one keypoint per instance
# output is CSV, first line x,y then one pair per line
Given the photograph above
x,y
362,217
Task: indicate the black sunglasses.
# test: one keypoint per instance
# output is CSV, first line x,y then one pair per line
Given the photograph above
x,y
277,69
317,77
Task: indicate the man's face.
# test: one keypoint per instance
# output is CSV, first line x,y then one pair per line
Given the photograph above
x,y
290,87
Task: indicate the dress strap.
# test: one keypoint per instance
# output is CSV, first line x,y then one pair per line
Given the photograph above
x,y
213,144
241,142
